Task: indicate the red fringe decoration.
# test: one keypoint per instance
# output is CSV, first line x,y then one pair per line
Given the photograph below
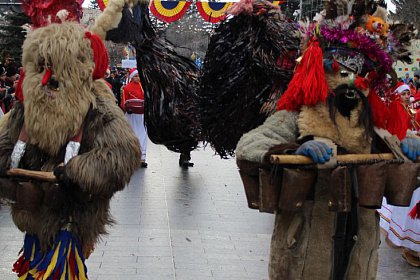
x,y
72,263
415,212
379,110
308,85
21,266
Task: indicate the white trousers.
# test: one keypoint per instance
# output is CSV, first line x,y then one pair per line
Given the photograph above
x,y
137,124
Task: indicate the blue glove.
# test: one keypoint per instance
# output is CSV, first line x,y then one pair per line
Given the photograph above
x,y
319,152
411,148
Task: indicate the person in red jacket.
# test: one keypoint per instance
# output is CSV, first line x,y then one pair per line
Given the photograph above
x,y
401,118
132,102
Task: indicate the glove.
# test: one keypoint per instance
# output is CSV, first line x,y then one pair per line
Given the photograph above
x,y
319,152
411,148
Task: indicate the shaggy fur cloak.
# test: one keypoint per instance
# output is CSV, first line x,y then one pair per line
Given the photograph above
x,y
54,113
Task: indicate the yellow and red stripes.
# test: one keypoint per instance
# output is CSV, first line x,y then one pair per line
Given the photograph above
x,y
64,260
168,11
213,11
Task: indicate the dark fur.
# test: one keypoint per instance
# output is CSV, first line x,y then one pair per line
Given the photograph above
x,y
109,155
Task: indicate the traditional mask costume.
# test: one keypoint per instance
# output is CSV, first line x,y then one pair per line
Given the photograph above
x,y
326,225
65,120
169,80
248,64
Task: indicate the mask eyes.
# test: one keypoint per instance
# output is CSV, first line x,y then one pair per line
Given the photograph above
x,y
344,74
41,66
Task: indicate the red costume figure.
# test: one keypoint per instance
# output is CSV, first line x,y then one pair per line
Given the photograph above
x,y
132,102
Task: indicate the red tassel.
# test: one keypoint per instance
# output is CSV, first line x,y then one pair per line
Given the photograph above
x,y
57,274
308,85
72,263
415,212
46,77
17,266
379,110
21,266
41,274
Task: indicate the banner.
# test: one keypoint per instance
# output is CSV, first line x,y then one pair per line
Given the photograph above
x,y
213,11
168,11
128,63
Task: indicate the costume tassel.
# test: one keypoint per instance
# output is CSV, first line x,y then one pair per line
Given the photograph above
x,y
64,261
415,212
308,85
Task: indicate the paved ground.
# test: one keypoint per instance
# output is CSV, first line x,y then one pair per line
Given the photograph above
x,y
176,224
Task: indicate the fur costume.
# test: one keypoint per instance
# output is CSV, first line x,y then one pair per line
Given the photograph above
x,y
169,80
67,115
326,224
248,64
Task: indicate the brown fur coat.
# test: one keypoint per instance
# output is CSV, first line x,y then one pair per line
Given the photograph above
x,y
108,156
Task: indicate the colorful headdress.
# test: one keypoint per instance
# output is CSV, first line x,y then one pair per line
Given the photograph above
x,y
354,35
43,13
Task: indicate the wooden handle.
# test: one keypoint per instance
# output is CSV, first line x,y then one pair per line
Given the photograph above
x,y
30,174
349,158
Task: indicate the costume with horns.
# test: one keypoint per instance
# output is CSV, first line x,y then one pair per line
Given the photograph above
x,y
66,121
326,225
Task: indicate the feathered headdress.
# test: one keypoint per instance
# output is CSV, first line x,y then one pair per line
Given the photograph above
x,y
47,12
44,12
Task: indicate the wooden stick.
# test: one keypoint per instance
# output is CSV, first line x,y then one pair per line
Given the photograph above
x,y
31,174
341,159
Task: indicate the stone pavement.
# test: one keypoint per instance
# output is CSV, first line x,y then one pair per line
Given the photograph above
x,y
176,224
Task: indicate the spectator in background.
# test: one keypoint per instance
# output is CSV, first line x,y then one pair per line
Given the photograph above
x,y
407,80
417,81
8,83
106,77
401,118
7,59
132,102
3,90
116,85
